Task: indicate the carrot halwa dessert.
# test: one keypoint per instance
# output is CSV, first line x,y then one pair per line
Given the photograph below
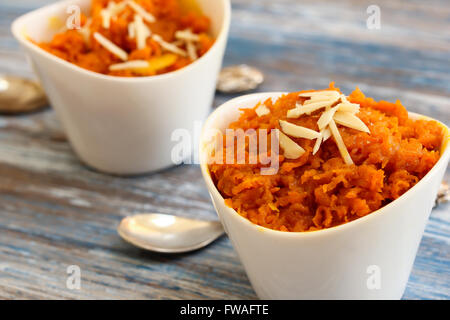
x,y
135,37
340,158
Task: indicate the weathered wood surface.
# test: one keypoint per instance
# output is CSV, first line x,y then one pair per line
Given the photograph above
x,y
54,212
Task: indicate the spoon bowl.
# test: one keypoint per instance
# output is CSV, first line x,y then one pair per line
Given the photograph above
x,y
167,233
20,95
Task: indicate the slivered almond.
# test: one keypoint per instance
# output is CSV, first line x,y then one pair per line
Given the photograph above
x,y
291,149
147,16
315,100
350,120
111,11
106,18
308,109
337,110
326,134
187,35
130,65
116,8
262,110
340,143
110,46
142,32
348,107
326,117
191,50
294,113
178,43
298,131
169,46
131,30
318,143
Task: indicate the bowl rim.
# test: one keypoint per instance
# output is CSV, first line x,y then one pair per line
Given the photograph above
x,y
318,233
21,38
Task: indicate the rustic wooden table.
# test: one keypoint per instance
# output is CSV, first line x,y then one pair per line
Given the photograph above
x,y
54,212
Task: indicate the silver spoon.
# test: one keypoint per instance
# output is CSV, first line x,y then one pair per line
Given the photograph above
x,y
19,95
167,233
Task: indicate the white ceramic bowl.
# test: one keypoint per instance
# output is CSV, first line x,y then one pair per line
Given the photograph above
x,y
124,125
335,263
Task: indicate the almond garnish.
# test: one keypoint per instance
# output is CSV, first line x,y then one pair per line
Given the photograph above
x,y
318,143
350,120
291,149
142,32
139,30
190,39
130,65
111,11
111,46
147,16
325,118
307,109
348,107
326,134
106,18
342,113
340,143
298,131
262,110
191,50
318,100
187,35
131,30
169,46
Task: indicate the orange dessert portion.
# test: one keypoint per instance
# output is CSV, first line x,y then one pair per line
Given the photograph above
x,y
132,38
363,155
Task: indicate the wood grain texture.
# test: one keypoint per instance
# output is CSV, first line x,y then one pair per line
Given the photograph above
x,y
54,212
